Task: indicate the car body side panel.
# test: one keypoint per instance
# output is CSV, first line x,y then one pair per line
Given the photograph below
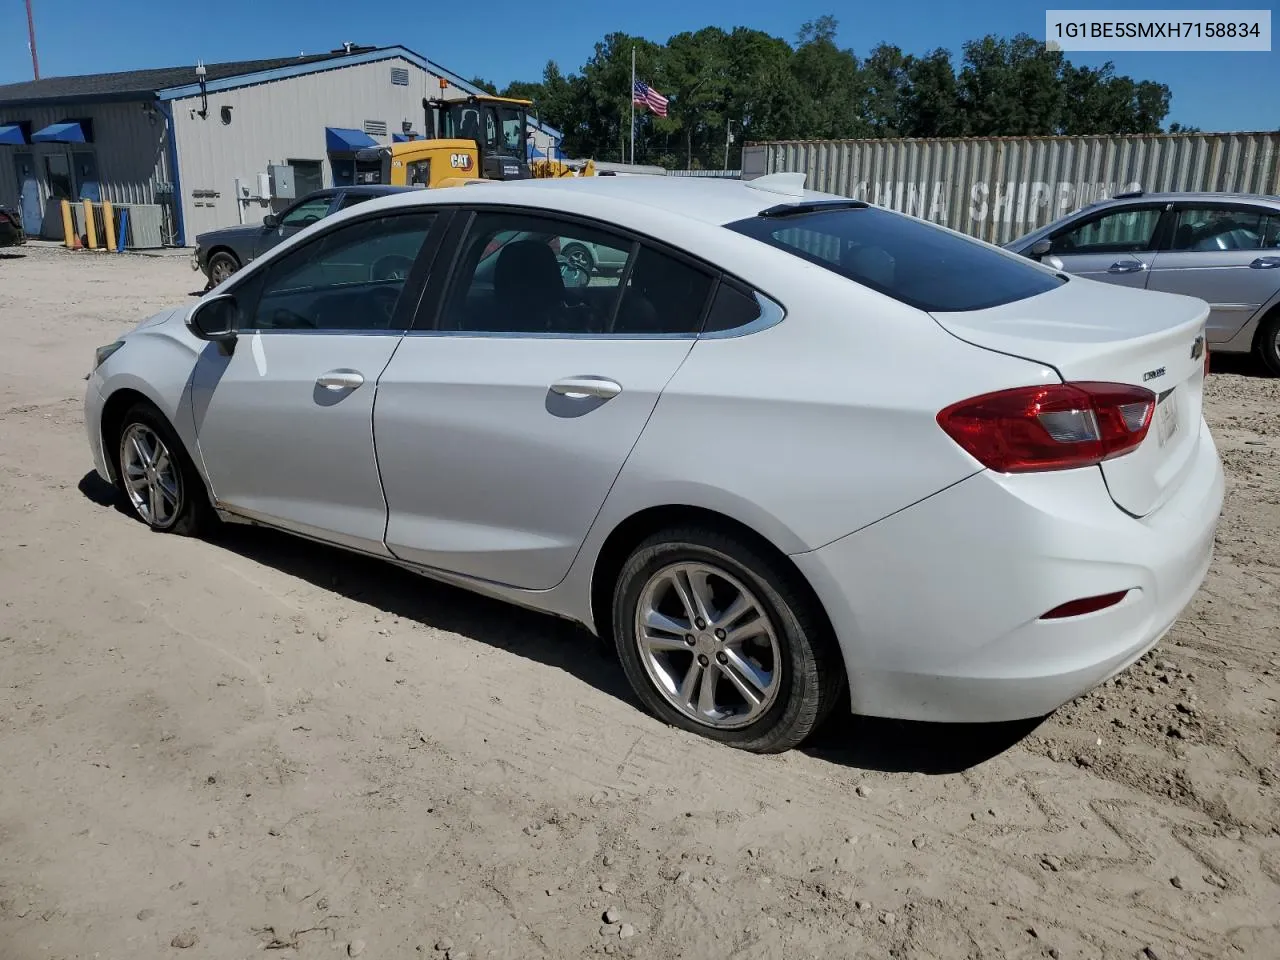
x,y
1225,279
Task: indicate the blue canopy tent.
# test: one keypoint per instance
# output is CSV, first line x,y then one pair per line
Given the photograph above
x,y
69,132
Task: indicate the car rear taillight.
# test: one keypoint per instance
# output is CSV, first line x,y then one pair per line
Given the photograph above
x,y
5,218
1056,427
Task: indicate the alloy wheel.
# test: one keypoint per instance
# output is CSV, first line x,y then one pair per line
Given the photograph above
x,y
708,645
151,476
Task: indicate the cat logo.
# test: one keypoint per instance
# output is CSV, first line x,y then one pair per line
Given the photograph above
x,y
460,161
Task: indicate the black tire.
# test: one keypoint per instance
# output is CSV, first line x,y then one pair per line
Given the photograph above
x,y
1267,344
811,672
193,514
221,266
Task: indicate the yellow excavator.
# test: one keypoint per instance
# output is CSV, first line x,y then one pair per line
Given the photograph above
x,y
469,140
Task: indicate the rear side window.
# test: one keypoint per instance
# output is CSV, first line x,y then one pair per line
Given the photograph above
x,y
915,263
732,308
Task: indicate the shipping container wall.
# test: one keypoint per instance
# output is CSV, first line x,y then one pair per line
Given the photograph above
x,y
998,189
127,160
280,121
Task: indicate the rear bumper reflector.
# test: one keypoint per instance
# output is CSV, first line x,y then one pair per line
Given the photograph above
x,y
1078,608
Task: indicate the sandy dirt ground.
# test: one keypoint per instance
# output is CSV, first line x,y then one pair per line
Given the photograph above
x,y
262,747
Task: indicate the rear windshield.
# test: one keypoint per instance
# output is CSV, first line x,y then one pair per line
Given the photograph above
x,y
913,262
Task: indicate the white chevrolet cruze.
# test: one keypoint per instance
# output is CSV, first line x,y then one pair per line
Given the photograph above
x,y
797,444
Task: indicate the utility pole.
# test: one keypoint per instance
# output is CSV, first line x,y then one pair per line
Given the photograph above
x,y
632,98
31,34
728,139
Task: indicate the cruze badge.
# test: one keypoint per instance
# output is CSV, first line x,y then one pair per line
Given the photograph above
x,y
1153,374
1197,348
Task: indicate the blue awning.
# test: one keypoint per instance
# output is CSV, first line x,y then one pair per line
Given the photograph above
x,y
11,133
405,137
59,133
342,140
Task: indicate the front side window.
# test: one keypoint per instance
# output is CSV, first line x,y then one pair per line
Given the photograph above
x,y
349,279
512,130
307,212
913,262
1120,231
1208,228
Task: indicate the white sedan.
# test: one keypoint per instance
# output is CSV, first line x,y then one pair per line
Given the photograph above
x,y
798,445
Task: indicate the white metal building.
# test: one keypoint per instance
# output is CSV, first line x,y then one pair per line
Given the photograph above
x,y
182,142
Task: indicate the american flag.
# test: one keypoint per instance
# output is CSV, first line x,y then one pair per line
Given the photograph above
x,y
646,96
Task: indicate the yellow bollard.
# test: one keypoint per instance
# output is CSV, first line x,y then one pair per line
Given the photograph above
x,y
90,230
68,226
108,223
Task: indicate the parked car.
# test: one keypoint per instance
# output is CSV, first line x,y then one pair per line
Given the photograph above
x,y
1223,248
220,253
807,445
11,234
594,258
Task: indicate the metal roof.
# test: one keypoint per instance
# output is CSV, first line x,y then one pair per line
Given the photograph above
x,y
171,83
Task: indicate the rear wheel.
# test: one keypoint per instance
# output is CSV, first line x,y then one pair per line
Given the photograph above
x,y
718,638
221,266
159,481
1268,344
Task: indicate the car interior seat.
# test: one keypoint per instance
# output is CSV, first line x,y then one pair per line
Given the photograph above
x,y
526,280
1183,236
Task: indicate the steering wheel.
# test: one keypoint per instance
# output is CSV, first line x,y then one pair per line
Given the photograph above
x,y
391,267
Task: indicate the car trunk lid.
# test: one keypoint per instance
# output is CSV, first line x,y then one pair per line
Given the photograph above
x,y
1090,331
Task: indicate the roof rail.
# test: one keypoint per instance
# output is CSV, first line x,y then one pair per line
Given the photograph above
x,y
1129,195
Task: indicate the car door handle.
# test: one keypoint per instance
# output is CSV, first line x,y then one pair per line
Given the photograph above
x,y
340,380
1126,266
581,387
1266,263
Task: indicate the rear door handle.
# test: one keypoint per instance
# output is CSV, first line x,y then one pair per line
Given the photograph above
x,y
1266,263
340,380
578,388
1126,266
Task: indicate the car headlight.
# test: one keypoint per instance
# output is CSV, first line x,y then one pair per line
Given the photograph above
x,y
102,353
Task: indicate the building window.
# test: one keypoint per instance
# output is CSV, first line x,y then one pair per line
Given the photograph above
x,y
307,176
375,128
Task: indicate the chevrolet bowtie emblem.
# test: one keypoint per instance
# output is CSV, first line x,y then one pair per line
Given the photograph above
x,y
1197,348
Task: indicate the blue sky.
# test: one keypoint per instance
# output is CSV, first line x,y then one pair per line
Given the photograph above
x,y
506,40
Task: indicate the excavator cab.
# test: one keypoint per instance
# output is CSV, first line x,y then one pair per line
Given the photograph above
x,y
498,126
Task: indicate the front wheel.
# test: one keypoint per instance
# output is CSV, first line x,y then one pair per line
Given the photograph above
x,y
719,638
160,482
221,266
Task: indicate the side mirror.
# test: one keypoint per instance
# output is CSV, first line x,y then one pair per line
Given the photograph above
x,y
271,221
1040,248
216,319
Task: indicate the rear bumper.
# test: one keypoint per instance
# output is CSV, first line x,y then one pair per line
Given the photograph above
x,y
937,609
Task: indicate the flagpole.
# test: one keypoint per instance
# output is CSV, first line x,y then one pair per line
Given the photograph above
x,y
633,104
